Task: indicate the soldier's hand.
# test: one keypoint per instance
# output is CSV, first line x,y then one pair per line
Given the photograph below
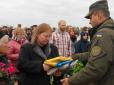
x,y
65,81
74,57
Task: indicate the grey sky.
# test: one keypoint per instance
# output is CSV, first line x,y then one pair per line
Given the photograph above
x,y
29,12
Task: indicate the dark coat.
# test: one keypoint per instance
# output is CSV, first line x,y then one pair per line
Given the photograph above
x,y
30,65
81,46
3,59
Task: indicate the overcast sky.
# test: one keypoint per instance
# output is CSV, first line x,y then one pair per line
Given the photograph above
x,y
29,12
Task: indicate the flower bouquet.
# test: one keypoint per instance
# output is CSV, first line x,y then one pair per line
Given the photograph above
x,y
7,73
76,66
3,71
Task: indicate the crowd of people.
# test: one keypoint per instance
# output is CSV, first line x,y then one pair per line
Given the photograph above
x,y
27,49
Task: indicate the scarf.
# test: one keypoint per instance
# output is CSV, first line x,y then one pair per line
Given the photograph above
x,y
44,54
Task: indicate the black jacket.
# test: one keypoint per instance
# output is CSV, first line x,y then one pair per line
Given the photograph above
x,y
30,65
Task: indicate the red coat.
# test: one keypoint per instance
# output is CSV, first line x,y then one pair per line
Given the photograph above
x,y
14,52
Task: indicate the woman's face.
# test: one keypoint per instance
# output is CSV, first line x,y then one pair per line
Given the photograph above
x,y
72,33
20,35
44,38
85,37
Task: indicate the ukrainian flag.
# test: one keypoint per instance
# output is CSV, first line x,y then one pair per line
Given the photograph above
x,y
58,61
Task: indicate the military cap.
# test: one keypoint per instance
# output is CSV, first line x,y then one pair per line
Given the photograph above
x,y
102,4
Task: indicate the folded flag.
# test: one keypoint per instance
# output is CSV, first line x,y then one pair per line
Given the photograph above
x,y
58,61
63,63
60,64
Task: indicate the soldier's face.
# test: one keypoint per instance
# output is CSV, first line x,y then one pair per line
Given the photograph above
x,y
94,20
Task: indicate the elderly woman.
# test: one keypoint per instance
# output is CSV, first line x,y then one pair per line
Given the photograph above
x,y
4,48
33,55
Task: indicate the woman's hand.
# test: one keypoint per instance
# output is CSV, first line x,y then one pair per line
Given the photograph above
x,y
57,73
46,67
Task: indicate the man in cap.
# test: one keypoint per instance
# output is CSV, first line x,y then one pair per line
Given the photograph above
x,y
99,69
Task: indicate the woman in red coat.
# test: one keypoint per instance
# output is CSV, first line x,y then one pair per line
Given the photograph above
x,y
18,39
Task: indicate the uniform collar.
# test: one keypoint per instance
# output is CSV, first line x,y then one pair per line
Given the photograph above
x,y
102,25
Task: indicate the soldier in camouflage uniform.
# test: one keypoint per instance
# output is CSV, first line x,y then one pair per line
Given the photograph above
x,y
99,69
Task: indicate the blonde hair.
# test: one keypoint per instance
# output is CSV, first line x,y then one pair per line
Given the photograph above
x,y
40,29
19,30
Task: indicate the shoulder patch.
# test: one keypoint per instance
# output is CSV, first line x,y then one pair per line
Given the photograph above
x,y
95,51
99,35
